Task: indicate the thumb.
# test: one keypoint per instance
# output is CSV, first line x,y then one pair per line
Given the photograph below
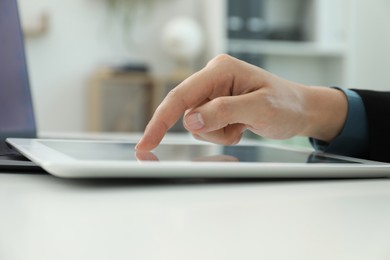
x,y
217,114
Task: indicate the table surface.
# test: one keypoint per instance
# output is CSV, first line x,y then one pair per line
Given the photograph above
x,y
44,217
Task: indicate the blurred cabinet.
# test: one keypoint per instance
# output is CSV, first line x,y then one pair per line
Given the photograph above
x,y
125,101
301,40
119,101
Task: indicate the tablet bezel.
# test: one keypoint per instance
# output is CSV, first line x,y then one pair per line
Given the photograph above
x,y
62,165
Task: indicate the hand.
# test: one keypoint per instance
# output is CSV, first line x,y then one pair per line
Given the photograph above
x,y
229,96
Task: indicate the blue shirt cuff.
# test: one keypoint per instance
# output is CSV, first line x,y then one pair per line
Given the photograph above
x,y
353,139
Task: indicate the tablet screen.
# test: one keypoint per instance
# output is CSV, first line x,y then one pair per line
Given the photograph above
x,y
119,151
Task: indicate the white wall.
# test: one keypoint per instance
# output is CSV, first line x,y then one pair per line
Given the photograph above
x,y
212,16
369,45
82,36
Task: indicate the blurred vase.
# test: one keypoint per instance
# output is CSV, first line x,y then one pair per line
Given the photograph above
x,y
183,40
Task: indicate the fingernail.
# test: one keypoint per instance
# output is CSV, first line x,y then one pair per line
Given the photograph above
x,y
194,121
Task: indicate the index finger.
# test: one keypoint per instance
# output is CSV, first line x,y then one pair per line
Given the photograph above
x,y
189,94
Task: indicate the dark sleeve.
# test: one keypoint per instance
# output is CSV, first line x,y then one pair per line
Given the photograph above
x,y
353,139
377,105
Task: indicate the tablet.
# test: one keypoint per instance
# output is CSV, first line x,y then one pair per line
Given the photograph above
x,y
118,159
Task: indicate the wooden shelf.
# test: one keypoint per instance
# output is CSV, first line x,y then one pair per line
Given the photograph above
x,y
119,102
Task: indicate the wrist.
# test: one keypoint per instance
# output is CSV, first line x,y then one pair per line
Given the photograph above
x,y
325,112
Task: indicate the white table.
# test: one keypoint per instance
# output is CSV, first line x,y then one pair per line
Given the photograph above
x,y
44,217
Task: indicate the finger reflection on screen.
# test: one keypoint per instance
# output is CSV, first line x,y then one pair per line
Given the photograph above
x,y
143,156
216,158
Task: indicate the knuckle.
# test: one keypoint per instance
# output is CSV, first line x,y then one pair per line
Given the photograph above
x,y
230,140
223,68
176,95
221,59
231,135
234,137
237,139
172,94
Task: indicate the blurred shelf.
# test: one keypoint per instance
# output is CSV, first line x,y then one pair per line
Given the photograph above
x,y
285,48
119,101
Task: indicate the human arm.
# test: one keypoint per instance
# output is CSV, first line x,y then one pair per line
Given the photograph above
x,y
228,96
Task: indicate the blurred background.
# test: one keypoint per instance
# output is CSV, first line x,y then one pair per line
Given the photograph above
x,y
104,65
